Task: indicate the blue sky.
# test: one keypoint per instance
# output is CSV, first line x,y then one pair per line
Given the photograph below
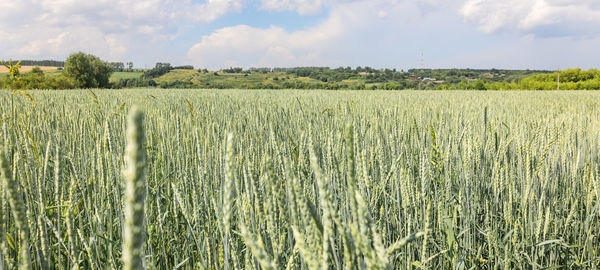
x,y
214,34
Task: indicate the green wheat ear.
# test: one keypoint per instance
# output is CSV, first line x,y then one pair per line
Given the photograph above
x,y
135,161
18,210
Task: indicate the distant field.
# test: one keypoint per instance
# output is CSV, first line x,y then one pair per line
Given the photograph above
x,y
3,69
125,75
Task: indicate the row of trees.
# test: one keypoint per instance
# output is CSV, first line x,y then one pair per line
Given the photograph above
x,y
120,66
43,63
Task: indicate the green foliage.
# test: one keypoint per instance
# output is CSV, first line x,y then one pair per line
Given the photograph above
x,y
37,79
477,85
570,79
177,84
88,71
133,83
117,66
233,70
13,69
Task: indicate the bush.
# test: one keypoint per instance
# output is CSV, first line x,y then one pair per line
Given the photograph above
x,y
177,84
158,70
133,82
184,67
35,80
233,70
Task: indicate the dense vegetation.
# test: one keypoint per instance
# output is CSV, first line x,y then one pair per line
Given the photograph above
x,y
570,79
38,79
300,179
360,78
371,79
80,71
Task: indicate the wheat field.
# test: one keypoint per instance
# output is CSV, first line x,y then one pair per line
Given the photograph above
x,y
233,179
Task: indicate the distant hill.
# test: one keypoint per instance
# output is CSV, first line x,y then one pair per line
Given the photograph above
x,y
334,78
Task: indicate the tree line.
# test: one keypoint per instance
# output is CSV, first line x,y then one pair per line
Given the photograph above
x,y
88,71
43,63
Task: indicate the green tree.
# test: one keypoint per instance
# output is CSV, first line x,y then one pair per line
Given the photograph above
x,y
88,71
479,85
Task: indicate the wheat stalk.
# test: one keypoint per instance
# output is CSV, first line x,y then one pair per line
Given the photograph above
x,y
135,192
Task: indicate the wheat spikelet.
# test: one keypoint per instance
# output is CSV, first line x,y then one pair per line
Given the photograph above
x,y
228,198
135,162
257,248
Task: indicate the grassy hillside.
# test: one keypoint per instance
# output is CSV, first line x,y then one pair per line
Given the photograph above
x,y
223,80
125,75
344,78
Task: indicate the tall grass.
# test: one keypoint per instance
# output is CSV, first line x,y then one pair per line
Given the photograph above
x,y
300,180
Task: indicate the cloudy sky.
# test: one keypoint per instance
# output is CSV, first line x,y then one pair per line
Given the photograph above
x,y
517,34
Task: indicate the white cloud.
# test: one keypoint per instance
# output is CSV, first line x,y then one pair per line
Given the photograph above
x,y
348,24
531,53
108,28
316,6
538,17
273,46
247,45
301,6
